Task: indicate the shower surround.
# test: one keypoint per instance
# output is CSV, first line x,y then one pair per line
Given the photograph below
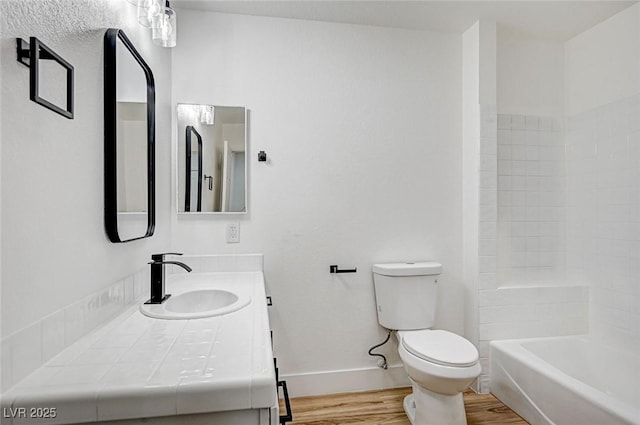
x,y
523,290
567,228
603,216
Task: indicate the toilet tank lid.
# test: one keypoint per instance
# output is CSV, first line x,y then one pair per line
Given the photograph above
x,y
422,268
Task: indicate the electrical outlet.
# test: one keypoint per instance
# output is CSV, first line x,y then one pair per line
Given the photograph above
x,y
233,232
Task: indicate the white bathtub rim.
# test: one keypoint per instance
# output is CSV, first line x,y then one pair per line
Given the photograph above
x,y
599,398
524,395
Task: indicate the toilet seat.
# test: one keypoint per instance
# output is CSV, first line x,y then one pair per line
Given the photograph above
x,y
440,347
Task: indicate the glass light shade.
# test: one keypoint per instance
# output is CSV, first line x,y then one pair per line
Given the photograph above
x,y
165,33
149,12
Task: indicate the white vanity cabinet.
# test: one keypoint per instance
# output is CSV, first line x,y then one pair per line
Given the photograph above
x,y
136,369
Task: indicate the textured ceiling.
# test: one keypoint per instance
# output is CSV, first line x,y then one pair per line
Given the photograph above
x,y
56,19
558,20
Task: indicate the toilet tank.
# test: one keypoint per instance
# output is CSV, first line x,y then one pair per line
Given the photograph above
x,y
406,294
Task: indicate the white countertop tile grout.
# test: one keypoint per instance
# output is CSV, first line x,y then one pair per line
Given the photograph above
x,y
92,364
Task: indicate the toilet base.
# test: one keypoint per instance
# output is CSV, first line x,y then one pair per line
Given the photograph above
x,y
409,405
424,407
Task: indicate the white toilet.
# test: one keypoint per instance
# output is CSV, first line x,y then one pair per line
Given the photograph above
x,y
440,364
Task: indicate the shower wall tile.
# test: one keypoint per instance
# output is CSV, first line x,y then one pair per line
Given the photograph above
x,y
491,129
523,312
504,122
531,122
533,329
531,203
488,180
517,122
603,214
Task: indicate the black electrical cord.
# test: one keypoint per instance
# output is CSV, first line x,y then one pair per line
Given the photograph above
x,y
384,359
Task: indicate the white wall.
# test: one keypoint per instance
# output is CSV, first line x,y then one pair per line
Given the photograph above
x,y
470,175
603,172
602,64
54,247
479,175
362,128
530,75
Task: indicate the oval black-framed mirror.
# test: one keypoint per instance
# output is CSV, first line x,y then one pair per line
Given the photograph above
x,y
129,141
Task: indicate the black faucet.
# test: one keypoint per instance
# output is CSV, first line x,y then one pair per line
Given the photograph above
x,y
157,276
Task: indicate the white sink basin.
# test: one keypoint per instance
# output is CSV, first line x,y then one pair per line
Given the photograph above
x,y
197,304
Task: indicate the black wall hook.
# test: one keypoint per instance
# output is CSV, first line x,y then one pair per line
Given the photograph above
x,y
262,156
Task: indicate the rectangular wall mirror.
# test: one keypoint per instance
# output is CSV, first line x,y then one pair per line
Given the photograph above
x,y
211,159
129,145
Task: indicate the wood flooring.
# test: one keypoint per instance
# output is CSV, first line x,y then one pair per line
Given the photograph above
x,y
384,407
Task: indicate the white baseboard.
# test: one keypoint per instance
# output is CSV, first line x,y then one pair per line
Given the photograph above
x,y
344,381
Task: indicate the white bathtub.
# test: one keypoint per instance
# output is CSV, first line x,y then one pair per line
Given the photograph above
x,y
566,381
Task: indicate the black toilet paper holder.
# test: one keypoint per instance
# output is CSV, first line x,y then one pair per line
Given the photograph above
x,y
334,269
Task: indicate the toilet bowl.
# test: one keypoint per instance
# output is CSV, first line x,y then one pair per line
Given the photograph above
x,y
440,361
440,364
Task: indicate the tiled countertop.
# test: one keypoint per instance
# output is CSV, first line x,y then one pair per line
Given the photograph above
x,y
137,367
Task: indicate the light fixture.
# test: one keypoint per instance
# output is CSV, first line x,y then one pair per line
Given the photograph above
x,y
163,30
148,12
160,18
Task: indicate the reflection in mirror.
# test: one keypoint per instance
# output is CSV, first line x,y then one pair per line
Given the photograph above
x,y
193,172
129,141
219,156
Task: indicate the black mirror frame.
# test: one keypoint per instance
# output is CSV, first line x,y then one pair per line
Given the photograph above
x,y
110,136
187,182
